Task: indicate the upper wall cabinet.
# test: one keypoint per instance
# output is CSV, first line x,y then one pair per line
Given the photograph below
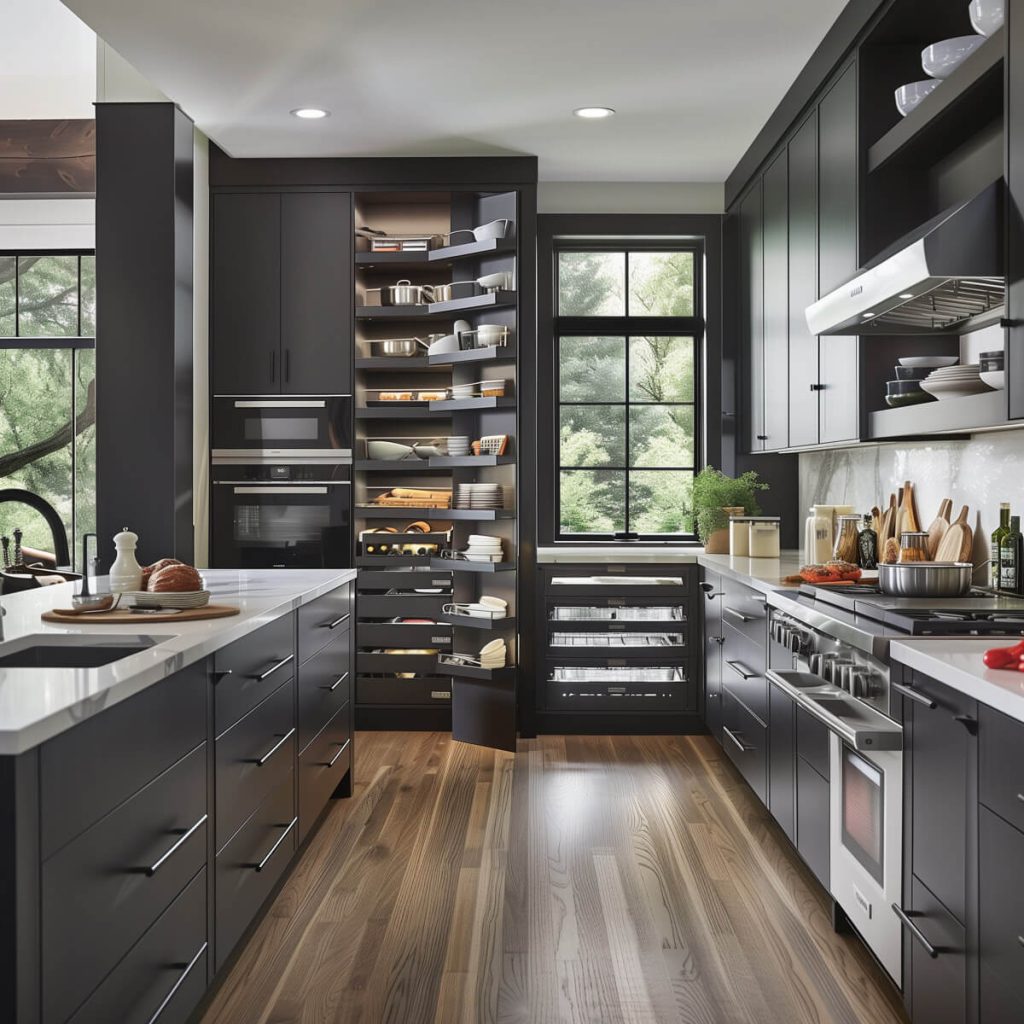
x,y
751,284
281,293
775,195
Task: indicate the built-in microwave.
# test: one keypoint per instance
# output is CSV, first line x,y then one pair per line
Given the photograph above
x,y
292,426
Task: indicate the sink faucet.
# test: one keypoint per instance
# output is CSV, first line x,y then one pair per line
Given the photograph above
x,y
61,551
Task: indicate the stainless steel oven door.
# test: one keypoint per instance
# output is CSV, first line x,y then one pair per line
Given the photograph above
x,y
274,427
866,821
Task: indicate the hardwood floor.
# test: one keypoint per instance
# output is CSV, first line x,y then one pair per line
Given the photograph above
x,y
585,880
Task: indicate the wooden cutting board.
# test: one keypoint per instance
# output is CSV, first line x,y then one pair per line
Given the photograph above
x,y
958,543
939,526
120,617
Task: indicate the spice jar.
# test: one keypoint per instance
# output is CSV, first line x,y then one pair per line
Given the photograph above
x,y
739,536
764,536
914,546
847,548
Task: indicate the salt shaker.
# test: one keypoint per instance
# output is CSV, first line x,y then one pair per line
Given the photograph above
x,y
125,573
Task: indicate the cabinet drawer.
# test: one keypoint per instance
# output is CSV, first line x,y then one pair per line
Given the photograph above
x,y
325,686
746,743
812,820
102,891
251,669
407,580
812,742
417,606
322,765
938,985
92,768
248,868
743,672
163,977
1002,919
744,610
635,639
418,691
404,634
321,620
422,664
1001,749
252,757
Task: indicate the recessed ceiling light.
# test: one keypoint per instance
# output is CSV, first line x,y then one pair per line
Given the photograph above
x,y
906,295
593,113
310,113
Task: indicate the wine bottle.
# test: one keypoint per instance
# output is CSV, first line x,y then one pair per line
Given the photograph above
x,y
1009,558
867,545
997,539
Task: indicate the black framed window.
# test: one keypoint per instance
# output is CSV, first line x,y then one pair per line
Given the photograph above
x,y
47,390
628,338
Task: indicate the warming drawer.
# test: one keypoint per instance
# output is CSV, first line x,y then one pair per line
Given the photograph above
x,y
605,686
417,690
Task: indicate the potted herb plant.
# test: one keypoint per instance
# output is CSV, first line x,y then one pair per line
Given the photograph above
x,y
716,497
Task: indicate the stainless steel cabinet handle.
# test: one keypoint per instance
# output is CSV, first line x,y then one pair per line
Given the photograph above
x,y
717,639
187,968
259,677
918,698
261,761
280,839
337,622
914,930
334,760
968,722
337,682
1020,797
265,403
279,490
182,839
737,615
739,743
742,671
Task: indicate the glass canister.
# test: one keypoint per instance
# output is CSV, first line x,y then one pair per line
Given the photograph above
x,y
914,546
846,547
764,536
817,536
739,536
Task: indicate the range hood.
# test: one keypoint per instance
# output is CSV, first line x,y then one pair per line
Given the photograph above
x,y
946,277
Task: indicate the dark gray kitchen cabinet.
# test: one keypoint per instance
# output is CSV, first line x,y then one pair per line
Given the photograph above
x,y
281,293
316,293
813,798
713,641
1014,118
936,989
774,385
782,760
751,282
245,342
803,283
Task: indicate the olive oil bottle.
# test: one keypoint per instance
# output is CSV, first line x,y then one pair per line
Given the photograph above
x,y
997,539
1010,557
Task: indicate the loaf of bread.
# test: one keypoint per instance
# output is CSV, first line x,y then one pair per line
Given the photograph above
x,y
176,578
148,570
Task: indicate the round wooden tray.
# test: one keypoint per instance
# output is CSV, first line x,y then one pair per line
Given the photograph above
x,y
121,616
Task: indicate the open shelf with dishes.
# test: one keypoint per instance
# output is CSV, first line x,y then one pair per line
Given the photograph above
x,y
436,456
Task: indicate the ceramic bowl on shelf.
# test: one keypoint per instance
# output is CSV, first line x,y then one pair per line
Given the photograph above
x,y
995,379
390,451
941,59
908,96
911,398
943,389
911,372
929,361
987,16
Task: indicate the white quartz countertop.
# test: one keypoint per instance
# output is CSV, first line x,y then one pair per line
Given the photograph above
x,y
38,704
957,662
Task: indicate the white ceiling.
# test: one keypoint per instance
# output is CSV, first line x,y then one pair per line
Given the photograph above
x,y
693,82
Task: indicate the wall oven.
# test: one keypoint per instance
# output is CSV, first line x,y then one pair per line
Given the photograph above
x,y
271,514
282,426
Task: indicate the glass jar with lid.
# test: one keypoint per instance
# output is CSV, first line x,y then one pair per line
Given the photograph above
x,y
739,536
914,546
764,536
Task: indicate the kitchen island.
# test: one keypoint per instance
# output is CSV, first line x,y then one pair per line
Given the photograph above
x,y
151,805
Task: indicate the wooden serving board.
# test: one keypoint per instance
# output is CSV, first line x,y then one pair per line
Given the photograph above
x,y
121,616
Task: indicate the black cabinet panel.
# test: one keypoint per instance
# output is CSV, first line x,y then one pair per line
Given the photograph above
x,y
322,620
746,743
775,363
837,188
1001,754
316,293
812,820
782,760
937,985
712,608
803,282
743,672
752,319
325,686
245,337
812,742
322,765
1015,213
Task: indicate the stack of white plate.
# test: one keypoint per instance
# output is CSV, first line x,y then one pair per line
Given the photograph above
x,y
494,654
955,381
458,446
168,598
479,496
483,549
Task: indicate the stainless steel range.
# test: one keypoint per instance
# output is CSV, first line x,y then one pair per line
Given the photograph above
x,y
830,655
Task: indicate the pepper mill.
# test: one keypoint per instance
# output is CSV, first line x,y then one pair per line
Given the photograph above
x,y
125,573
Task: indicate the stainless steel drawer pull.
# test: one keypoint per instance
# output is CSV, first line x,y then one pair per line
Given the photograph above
x,y
334,760
739,743
336,623
186,970
337,682
261,761
259,677
737,615
1020,797
742,671
280,490
904,916
918,698
280,839
182,839
1020,939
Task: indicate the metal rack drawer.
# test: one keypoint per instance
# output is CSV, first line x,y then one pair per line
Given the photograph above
x,y
612,689
404,634
417,691
597,613
632,642
420,664
398,579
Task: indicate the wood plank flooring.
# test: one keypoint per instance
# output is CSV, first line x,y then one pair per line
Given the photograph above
x,y
584,880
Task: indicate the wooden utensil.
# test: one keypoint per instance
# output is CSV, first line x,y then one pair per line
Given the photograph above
x,y
959,538
210,611
939,526
907,517
876,520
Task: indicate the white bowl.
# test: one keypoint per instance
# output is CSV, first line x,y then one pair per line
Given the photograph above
x,y
954,389
390,451
929,360
908,96
987,16
940,59
995,379
449,343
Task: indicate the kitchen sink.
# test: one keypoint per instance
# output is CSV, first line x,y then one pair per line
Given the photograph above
x,y
42,651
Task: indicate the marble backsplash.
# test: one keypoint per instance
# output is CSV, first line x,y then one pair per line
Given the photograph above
x,y
981,472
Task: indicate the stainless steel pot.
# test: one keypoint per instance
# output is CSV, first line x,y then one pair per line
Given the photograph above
x,y
925,579
399,346
405,293
455,290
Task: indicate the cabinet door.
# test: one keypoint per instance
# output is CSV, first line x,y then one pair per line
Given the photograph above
x,y
713,641
776,305
803,282
937,984
782,760
837,251
812,820
1015,214
752,320
1001,854
246,294
316,293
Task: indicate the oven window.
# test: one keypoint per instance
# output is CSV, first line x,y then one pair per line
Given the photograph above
x,y
272,428
280,525
863,813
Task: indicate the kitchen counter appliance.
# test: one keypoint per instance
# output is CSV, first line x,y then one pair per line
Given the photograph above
x,y
276,427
